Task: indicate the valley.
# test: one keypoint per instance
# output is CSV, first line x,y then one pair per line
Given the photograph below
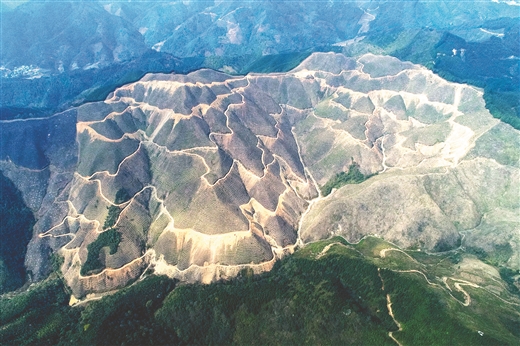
x,y
118,43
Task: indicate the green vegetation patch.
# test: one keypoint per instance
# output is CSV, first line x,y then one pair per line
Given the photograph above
x,y
313,249
276,63
512,278
126,317
113,214
38,316
329,292
353,176
110,238
504,106
495,318
499,255
302,300
425,315
372,246
115,210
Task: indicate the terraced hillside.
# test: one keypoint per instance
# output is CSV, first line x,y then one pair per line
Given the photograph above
x,y
198,176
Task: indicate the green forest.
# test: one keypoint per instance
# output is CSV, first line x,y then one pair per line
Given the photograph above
x,y
109,238
16,226
352,176
333,298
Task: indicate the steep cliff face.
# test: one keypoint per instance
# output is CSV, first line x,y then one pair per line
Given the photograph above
x,y
201,175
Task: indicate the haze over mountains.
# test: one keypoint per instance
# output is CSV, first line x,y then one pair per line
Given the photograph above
x,y
51,61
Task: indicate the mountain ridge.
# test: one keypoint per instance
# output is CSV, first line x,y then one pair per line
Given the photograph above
x,y
257,149
57,66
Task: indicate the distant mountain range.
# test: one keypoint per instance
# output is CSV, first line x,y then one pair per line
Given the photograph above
x,y
99,44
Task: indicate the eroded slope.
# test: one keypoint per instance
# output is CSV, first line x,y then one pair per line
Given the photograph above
x,y
205,174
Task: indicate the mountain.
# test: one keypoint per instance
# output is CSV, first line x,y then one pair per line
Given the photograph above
x,y
259,173
198,176
50,61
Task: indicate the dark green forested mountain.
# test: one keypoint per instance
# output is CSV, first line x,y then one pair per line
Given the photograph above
x,y
15,233
328,292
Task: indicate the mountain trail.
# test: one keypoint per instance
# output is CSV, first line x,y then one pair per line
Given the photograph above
x,y
327,248
391,313
383,163
467,297
107,173
381,278
383,252
419,272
